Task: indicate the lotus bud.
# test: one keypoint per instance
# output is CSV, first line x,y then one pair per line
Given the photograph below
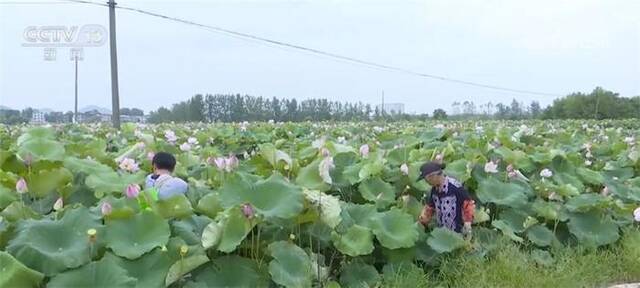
x,y
184,249
132,190
404,169
28,159
439,158
325,152
248,210
150,156
605,191
163,248
57,206
364,150
292,237
106,208
21,186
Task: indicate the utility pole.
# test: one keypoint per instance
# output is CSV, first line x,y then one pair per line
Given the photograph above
x,y
75,107
382,104
115,98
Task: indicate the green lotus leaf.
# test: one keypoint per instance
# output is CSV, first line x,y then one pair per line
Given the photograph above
x,y
52,246
17,210
273,155
515,219
234,228
232,271
184,266
309,177
487,238
541,235
507,194
356,241
15,274
190,229
150,270
35,133
568,190
328,206
291,266
104,273
395,229
47,181
592,228
131,238
362,215
273,197
87,166
458,169
506,230
631,193
399,156
7,196
585,202
378,191
589,176
443,240
370,169
542,257
547,210
359,275
210,205
41,149
112,182
177,206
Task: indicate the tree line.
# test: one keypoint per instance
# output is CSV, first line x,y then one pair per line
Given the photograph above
x,y
237,108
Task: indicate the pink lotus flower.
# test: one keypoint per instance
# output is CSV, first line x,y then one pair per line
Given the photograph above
x,y
132,190
21,186
364,150
129,165
106,208
219,162
325,152
57,206
247,210
404,169
230,163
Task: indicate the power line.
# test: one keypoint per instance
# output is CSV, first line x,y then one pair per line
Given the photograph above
x,y
370,64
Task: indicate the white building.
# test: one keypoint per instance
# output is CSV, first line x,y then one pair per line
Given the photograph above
x,y
392,108
37,117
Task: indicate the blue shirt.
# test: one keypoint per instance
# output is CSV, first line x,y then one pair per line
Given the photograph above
x,y
167,185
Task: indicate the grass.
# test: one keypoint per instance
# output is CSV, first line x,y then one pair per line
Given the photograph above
x,y
512,266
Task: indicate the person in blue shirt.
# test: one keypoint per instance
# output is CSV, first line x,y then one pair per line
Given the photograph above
x,y
161,178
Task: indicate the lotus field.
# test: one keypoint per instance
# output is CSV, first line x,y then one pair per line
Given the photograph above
x,y
301,204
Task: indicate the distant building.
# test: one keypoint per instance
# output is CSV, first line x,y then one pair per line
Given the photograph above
x,y
132,118
392,108
37,117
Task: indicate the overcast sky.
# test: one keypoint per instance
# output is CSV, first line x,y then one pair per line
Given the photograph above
x,y
549,46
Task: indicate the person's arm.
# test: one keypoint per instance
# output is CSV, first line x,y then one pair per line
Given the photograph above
x,y
468,209
427,212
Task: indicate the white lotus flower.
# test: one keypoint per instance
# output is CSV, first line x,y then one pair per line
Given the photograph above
x,y
587,163
185,147
439,126
546,173
192,141
491,167
404,169
629,140
325,167
170,136
342,140
636,214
